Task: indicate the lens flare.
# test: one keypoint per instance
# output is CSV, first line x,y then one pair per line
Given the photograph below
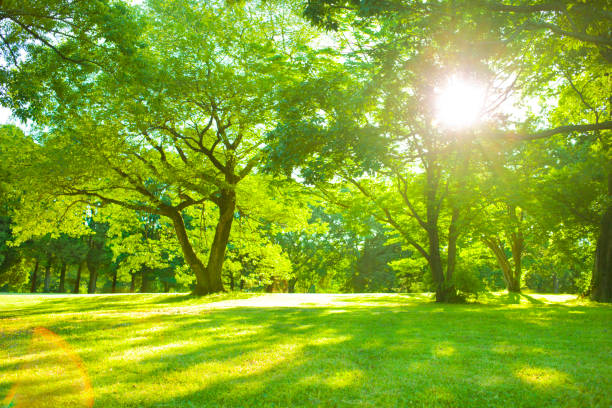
x,y
52,376
459,104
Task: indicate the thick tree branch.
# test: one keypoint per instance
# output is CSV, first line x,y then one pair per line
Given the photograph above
x,y
555,131
51,46
108,200
389,218
249,166
198,147
188,201
404,193
550,6
606,41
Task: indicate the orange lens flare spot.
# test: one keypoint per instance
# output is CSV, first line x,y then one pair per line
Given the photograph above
x,y
53,375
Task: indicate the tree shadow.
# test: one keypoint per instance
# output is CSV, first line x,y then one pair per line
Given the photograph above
x,y
343,355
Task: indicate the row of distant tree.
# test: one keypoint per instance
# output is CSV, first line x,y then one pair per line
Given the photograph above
x,y
338,253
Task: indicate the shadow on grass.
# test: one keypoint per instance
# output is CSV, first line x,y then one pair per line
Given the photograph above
x,y
45,304
346,355
511,298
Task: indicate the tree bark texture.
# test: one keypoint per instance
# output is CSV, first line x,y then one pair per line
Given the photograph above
x,y
34,277
145,282
114,285
77,282
93,278
227,206
62,278
203,286
47,275
601,284
512,276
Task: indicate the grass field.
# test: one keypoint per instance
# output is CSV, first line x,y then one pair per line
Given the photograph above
x,y
303,351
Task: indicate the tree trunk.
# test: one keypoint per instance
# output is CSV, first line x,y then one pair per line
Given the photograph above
x,y
231,276
453,236
514,286
227,205
601,284
202,282
133,283
166,287
435,264
62,278
497,247
517,245
144,283
444,293
77,282
291,286
114,285
47,276
93,278
34,277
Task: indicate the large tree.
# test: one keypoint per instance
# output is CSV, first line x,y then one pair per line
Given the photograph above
x,y
177,123
371,124
557,50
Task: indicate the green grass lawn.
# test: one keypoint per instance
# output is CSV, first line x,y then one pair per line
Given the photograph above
x,y
305,350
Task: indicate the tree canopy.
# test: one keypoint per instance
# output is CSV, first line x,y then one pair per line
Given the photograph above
x,y
287,145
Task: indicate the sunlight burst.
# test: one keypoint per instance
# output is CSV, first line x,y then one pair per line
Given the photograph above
x,y
459,104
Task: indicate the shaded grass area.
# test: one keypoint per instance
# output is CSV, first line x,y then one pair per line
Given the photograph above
x,y
382,351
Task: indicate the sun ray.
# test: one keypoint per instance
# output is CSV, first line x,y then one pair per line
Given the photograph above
x,y
459,104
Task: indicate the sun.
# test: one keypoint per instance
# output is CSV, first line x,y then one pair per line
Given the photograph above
x,y
459,104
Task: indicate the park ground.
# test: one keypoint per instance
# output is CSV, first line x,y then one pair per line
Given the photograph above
x,y
281,350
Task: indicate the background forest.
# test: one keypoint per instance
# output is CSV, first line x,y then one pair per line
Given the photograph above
x,y
321,146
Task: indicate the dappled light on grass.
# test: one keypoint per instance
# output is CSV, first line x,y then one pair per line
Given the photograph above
x,y
542,376
532,298
323,350
344,378
444,350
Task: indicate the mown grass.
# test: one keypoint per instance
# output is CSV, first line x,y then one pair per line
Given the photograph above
x,y
304,351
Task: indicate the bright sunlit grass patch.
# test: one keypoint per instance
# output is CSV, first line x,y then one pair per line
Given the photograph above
x,y
372,350
541,376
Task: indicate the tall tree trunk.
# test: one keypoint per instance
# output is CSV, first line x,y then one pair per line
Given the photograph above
x,y
62,278
291,286
431,227
47,275
517,245
133,283
202,282
77,282
227,206
114,285
512,278
166,287
453,236
231,276
435,264
34,277
144,283
444,293
93,278
601,283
